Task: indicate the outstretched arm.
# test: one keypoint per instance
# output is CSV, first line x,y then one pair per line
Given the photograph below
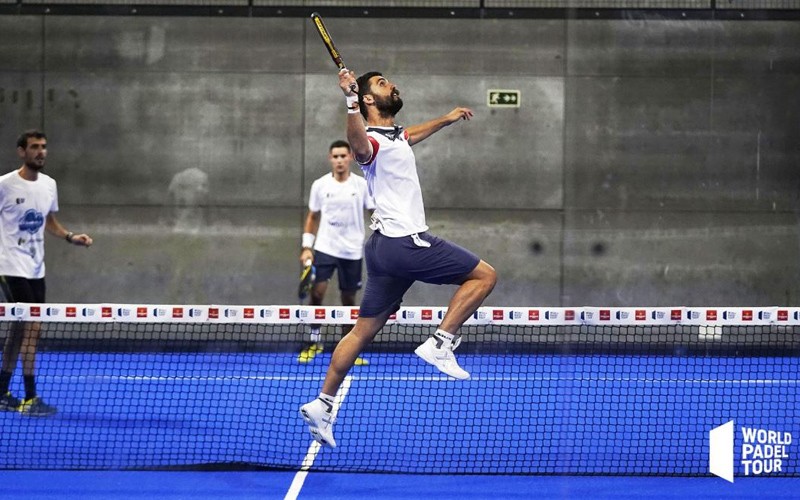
x,y
417,133
356,132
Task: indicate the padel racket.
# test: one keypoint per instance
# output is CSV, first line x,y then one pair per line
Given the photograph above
x,y
328,41
307,277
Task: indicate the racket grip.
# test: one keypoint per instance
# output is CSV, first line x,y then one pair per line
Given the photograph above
x,y
352,85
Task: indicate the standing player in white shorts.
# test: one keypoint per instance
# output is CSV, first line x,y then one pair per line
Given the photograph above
x,y
400,251
333,235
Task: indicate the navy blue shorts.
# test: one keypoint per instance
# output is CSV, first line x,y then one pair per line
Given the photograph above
x,y
394,264
348,271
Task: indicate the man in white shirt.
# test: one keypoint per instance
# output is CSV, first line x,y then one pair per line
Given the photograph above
x,y
28,202
400,251
333,235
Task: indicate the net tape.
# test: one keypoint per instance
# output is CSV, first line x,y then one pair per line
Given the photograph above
x,y
289,314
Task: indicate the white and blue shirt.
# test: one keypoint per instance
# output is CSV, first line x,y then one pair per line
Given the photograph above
x,y
24,207
392,178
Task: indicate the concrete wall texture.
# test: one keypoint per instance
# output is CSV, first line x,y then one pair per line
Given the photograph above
x,y
650,162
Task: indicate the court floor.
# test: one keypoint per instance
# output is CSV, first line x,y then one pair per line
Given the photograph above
x,y
157,410
88,485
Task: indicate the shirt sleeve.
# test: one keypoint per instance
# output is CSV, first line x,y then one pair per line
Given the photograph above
x,y
54,205
375,147
314,198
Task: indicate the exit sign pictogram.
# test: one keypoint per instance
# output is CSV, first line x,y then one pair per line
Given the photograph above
x,y
503,98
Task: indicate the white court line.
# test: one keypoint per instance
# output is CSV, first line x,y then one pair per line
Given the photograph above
x,y
313,450
420,378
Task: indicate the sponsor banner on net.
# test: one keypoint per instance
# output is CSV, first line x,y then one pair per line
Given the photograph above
x,y
709,319
741,316
481,316
162,313
749,451
420,315
56,312
631,315
236,314
72,312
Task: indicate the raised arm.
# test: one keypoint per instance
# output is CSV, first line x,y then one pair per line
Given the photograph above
x,y
417,133
356,132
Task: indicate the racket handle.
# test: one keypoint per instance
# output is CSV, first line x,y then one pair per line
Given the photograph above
x,y
352,85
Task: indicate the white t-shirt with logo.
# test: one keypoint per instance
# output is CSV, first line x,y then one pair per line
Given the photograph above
x,y
341,206
393,181
24,206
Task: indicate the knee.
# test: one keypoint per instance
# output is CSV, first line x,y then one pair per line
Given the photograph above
x,y
492,279
488,276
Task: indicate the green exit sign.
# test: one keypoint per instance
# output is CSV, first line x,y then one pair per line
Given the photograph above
x,y
503,98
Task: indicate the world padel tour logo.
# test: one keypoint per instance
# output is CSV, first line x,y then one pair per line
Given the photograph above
x,y
763,451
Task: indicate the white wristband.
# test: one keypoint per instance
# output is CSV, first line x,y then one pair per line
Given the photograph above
x,y
351,101
308,240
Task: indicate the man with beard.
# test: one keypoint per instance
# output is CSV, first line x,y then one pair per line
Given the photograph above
x,y
400,251
28,201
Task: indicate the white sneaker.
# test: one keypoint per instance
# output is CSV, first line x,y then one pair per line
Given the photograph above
x,y
318,416
439,353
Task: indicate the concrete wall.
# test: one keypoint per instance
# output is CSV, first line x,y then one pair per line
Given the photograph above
x,y
651,162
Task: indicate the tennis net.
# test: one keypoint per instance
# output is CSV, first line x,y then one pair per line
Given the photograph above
x,y
588,390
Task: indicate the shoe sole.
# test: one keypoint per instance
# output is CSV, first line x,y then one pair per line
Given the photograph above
x,y
419,351
314,429
318,438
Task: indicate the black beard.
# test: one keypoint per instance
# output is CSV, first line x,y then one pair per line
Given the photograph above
x,y
389,106
34,166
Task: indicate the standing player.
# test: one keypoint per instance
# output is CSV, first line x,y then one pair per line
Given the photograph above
x,y
28,202
400,251
334,230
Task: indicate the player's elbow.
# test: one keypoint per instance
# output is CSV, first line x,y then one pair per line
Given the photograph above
x,y
362,157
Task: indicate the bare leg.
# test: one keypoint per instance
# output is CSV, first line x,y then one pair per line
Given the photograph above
x,y
320,413
348,300
318,293
32,333
348,349
469,296
310,351
12,346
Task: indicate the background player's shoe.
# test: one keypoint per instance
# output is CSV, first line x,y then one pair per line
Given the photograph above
x,y
35,407
308,354
439,353
318,414
361,361
8,402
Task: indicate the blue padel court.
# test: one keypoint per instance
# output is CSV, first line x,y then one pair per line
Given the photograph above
x,y
171,424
